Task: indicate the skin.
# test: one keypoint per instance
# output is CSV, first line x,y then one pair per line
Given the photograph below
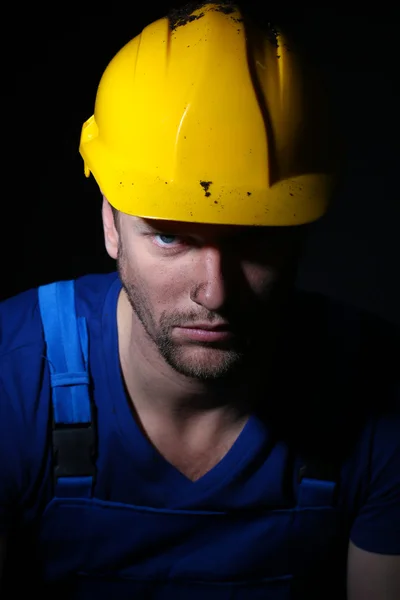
x,y
372,576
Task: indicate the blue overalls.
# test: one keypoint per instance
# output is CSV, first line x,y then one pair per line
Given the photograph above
x,y
90,548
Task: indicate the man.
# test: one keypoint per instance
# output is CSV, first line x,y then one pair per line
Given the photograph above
x,y
190,427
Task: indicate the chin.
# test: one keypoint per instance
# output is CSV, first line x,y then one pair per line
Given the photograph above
x,y
205,363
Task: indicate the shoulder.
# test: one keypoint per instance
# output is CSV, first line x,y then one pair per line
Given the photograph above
x,y
25,399
343,392
20,321
21,354
355,366
22,346
372,482
374,532
92,291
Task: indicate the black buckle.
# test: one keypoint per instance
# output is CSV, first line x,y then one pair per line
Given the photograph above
x,y
74,450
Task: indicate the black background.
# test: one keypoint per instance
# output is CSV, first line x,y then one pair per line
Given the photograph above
x,y
52,61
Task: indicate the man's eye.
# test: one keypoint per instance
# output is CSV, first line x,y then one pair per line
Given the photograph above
x,y
165,240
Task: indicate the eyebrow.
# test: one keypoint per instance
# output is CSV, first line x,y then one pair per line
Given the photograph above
x,y
160,226
149,226
143,226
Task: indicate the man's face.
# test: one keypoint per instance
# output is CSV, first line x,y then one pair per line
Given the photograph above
x,y
207,296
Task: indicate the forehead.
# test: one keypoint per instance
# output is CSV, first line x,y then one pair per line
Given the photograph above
x,y
209,231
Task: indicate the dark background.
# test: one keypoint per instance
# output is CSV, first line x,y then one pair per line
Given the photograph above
x,y
52,61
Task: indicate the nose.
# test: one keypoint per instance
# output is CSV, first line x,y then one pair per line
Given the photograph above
x,y
210,288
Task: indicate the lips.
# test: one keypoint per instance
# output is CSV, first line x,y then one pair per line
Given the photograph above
x,y
206,327
203,332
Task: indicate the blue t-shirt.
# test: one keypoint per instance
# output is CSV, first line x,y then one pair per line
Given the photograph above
x,y
336,400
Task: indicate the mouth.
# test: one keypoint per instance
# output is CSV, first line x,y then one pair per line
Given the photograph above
x,y
203,332
208,327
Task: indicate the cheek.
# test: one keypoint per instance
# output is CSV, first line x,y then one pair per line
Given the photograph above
x,y
260,278
172,285
164,287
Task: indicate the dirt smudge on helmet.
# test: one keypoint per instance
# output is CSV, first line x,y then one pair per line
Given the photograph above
x,y
272,34
227,7
182,16
206,186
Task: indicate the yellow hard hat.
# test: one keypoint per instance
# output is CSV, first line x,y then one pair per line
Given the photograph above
x,y
207,119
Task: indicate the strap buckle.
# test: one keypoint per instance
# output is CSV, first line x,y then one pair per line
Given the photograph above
x,y
74,451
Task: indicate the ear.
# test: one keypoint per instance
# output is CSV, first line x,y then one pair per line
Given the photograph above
x,y
111,236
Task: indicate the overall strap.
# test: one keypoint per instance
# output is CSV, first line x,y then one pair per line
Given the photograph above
x,y
73,427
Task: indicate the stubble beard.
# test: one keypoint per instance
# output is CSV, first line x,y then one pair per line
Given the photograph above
x,y
200,361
